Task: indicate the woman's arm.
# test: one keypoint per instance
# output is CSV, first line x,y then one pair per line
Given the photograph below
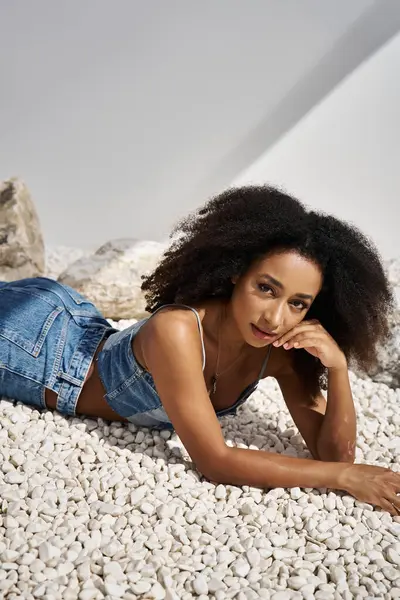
x,y
338,433
328,428
334,435
172,353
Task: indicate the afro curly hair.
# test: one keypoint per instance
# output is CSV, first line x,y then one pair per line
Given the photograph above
x,y
222,239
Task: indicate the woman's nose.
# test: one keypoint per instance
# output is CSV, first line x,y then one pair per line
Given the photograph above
x,y
274,318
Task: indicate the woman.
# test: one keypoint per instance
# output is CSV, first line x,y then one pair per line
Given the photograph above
x,y
254,286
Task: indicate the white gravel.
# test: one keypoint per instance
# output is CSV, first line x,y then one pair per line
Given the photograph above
x,y
91,510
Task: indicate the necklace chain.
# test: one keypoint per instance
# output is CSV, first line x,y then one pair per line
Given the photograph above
x,y
216,375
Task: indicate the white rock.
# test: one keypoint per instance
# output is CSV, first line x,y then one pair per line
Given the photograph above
x,y
253,557
14,477
373,522
283,595
215,584
106,508
138,494
147,508
111,277
338,574
240,540
158,592
220,492
141,587
296,582
278,540
114,589
200,585
114,569
91,593
392,556
240,567
48,552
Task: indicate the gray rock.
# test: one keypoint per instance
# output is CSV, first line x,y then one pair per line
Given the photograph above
x,y
22,251
111,277
387,369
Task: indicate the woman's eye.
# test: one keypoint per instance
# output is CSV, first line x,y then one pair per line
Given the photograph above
x,y
302,305
264,287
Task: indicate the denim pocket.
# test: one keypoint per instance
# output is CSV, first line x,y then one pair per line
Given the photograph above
x,y
26,317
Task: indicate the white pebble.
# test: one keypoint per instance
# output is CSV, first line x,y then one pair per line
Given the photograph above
x,y
84,501
114,589
220,492
157,592
392,556
240,567
138,494
14,477
91,593
147,508
200,585
114,569
373,522
278,540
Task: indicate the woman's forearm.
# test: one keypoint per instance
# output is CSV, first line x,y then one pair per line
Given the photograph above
x,y
338,433
258,468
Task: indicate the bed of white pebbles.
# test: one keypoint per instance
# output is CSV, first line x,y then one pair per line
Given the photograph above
x,y
91,509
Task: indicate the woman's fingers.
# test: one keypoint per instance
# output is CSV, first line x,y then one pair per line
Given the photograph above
x,y
303,340
391,506
300,329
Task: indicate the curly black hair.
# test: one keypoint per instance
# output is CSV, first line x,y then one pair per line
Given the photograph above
x,y
241,225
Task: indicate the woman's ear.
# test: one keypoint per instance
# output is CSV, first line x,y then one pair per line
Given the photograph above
x,y
234,279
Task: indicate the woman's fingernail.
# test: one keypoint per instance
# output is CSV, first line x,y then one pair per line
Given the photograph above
x,y
286,345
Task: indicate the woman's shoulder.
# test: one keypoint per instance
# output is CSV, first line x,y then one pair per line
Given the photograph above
x,y
174,323
181,313
170,317
170,331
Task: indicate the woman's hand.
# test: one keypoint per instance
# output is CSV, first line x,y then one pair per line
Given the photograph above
x,y
376,485
311,336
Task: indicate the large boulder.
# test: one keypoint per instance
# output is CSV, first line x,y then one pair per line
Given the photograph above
x,y
111,277
388,368
22,251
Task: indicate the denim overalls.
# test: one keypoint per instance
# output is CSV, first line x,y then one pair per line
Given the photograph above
x,y
48,336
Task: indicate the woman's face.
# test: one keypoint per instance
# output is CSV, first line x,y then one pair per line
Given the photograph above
x,y
273,296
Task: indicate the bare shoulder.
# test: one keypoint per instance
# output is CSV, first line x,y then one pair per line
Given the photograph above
x,y
170,330
176,322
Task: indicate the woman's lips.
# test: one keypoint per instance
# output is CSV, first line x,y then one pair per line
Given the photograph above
x,y
261,335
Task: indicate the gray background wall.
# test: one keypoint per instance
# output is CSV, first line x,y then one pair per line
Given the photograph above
x,y
344,156
123,116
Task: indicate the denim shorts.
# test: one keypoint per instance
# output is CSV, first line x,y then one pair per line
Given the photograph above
x,y
49,334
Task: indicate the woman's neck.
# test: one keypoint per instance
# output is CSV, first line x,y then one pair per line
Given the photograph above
x,y
219,323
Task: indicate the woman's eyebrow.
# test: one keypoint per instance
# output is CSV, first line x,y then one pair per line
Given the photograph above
x,y
279,285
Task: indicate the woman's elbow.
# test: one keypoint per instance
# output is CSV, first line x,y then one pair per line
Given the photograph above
x,y
214,468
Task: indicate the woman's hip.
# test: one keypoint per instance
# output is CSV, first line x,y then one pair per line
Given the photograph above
x,y
49,334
